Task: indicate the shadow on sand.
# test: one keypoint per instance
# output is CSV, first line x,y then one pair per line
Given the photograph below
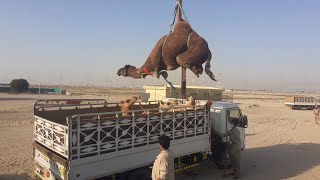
x,y
280,161
15,177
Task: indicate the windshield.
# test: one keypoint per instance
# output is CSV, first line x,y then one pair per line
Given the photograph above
x,y
234,114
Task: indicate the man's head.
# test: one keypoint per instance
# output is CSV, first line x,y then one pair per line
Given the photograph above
x,y
208,104
164,142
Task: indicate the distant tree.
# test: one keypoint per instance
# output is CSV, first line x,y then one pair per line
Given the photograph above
x,y
19,85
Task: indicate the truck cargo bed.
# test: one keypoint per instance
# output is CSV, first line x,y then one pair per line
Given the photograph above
x,y
100,136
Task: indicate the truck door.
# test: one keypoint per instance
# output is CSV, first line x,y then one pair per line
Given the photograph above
x,y
235,113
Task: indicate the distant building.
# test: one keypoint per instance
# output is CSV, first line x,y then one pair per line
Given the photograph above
x,y
5,88
4,85
158,92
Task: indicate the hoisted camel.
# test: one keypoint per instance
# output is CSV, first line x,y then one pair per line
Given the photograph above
x,y
181,48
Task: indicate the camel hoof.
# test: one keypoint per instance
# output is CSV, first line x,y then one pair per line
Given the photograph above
x,y
164,74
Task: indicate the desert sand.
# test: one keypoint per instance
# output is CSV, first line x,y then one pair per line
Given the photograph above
x,y
280,143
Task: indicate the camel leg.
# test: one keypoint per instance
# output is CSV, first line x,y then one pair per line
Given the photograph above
x,y
197,68
193,60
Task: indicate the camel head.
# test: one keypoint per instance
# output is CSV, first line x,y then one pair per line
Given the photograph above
x,y
133,99
124,71
127,105
130,71
191,101
165,105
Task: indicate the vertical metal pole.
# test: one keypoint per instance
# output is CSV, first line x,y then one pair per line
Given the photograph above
x,y
39,89
173,126
305,82
148,128
78,137
183,70
69,133
133,128
226,153
117,127
183,82
99,137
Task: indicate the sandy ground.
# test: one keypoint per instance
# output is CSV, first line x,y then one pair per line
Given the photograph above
x,y
280,144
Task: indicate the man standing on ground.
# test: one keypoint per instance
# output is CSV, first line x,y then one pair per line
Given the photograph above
x,y
234,146
163,166
316,113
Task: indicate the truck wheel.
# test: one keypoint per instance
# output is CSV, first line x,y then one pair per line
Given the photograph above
x,y
140,174
221,163
218,155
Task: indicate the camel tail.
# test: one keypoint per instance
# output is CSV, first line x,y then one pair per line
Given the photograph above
x,y
208,66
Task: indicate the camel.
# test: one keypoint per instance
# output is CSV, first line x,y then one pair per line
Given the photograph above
x,y
169,106
127,105
191,101
181,48
165,106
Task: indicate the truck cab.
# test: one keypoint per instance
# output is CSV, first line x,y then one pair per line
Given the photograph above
x,y
221,114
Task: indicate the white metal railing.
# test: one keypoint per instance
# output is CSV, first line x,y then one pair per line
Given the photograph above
x,y
60,103
306,99
52,135
101,133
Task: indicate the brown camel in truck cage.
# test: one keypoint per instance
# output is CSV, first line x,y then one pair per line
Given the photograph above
x,y
127,105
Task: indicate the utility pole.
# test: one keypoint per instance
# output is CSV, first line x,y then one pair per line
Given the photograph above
x,y
39,89
183,88
305,82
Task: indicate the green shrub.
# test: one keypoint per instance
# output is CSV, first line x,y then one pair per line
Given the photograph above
x,y
19,85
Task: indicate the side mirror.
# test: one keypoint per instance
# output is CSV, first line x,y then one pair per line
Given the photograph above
x,y
244,122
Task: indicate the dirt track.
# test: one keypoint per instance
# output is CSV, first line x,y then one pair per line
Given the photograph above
x,y
280,144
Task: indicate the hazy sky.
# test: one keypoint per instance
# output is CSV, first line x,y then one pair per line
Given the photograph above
x,y
255,43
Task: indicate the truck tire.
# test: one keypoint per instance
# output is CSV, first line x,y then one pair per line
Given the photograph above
x,y
218,155
221,164
140,174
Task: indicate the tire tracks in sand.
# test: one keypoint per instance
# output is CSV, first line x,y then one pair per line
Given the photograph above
x,y
275,129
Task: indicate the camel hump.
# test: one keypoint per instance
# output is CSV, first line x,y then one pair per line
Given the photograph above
x,y
182,26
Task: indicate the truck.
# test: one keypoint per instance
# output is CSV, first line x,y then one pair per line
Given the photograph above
x,y
90,139
301,102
